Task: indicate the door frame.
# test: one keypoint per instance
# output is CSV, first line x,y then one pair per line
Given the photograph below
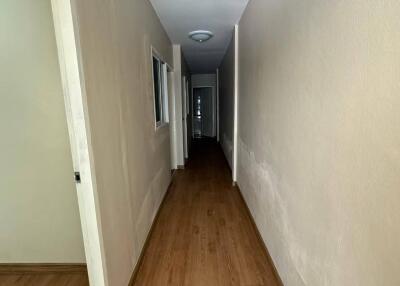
x,y
236,107
172,119
75,99
214,105
184,118
189,99
217,103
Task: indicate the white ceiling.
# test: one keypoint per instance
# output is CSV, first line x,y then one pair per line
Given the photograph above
x,y
179,17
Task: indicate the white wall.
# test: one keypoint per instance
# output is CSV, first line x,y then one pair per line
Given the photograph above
x,y
319,137
39,217
179,71
132,158
207,80
172,120
226,101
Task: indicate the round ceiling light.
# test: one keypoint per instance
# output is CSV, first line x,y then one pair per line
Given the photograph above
x,y
201,36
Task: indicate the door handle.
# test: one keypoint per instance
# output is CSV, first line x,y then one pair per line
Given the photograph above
x,y
77,176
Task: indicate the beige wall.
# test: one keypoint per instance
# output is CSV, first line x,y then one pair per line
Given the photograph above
x,y
132,159
39,217
319,137
226,101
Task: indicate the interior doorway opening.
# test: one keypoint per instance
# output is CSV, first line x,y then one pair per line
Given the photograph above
x,y
203,112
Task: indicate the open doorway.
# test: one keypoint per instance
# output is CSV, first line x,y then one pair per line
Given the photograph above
x,y
203,112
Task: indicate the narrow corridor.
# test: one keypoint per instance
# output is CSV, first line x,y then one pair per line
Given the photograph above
x,y
203,234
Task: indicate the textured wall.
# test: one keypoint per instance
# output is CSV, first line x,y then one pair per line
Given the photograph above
x,y
226,100
39,216
132,159
319,137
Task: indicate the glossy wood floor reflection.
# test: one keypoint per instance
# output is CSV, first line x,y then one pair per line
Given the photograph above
x,y
204,235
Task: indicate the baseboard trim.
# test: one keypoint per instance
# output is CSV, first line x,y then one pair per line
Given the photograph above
x,y
276,273
21,268
180,167
146,244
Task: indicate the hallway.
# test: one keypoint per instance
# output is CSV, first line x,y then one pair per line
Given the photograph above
x,y
203,234
107,178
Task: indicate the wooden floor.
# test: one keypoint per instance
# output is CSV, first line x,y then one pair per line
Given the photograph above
x,y
44,279
204,235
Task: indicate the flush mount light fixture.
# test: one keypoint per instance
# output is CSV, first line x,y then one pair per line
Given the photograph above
x,y
201,35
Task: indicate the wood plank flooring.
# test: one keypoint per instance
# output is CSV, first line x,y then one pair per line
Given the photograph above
x,y
44,279
51,274
204,235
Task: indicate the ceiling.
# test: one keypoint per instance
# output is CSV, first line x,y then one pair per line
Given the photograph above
x,y
179,17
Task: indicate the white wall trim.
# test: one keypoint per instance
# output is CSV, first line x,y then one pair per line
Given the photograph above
x,y
178,119
217,72
184,118
172,120
68,45
236,105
